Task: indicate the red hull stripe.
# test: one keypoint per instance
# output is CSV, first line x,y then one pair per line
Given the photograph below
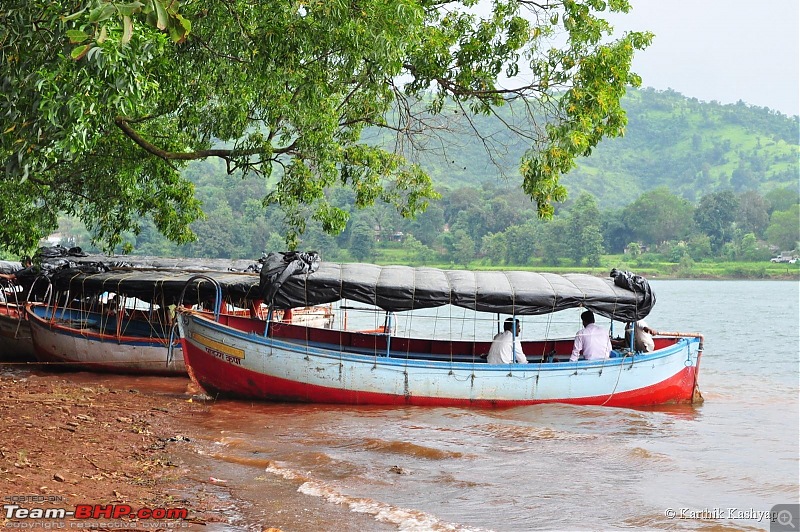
x,y
232,381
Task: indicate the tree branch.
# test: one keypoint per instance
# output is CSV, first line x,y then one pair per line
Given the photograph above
x,y
227,155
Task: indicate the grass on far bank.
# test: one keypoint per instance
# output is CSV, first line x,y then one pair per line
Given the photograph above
x,y
648,268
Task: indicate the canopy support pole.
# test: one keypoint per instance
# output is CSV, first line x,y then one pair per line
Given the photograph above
x,y
387,331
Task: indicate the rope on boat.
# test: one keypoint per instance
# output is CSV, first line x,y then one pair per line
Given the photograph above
x,y
170,346
621,364
17,305
463,325
218,300
217,295
408,326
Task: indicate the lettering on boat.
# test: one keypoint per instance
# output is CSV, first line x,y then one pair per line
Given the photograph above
x,y
219,350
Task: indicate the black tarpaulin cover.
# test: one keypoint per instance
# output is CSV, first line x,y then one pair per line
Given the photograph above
x,y
153,285
146,277
277,267
394,288
51,258
7,266
402,288
635,283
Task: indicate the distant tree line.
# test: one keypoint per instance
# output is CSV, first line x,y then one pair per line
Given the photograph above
x,y
499,227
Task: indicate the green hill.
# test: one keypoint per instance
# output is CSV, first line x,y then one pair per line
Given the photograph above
x,y
692,147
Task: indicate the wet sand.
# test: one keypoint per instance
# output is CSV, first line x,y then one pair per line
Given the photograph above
x,y
73,439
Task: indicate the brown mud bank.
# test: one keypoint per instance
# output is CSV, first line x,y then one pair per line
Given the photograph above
x,y
74,440
71,439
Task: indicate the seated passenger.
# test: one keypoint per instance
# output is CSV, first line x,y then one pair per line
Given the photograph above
x,y
505,346
591,342
643,339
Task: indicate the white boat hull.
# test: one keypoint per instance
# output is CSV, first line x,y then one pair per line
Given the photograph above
x,y
60,342
233,362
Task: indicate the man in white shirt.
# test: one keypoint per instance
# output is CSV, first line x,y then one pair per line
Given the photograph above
x,y
642,338
592,341
505,346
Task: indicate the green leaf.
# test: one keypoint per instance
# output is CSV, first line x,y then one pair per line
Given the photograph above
x,y
74,16
161,14
128,10
80,51
178,32
76,36
93,52
102,13
185,22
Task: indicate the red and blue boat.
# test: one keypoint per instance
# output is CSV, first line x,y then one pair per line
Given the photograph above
x,y
78,339
120,321
232,356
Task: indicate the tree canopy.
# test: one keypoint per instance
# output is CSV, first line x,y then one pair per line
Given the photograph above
x,y
104,103
658,216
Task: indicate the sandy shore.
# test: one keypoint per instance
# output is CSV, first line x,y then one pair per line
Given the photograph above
x,y
74,440
65,444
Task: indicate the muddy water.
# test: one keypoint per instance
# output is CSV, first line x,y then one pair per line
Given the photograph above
x,y
546,467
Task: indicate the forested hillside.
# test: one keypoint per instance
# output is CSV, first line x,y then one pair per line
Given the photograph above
x,y
690,180
691,147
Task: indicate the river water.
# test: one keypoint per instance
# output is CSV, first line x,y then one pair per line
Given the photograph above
x,y
545,467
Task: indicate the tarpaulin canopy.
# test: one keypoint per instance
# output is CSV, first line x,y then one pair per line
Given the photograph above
x,y
307,281
157,285
155,278
403,288
7,266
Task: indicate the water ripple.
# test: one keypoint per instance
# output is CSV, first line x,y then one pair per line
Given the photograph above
x,y
404,518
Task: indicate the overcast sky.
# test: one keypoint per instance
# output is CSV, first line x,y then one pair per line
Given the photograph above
x,y
724,50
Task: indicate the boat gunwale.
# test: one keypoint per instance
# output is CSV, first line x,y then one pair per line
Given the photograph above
x,y
74,332
376,359
12,311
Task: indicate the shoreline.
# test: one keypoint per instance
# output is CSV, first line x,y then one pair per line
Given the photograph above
x,y
712,271
70,441
82,442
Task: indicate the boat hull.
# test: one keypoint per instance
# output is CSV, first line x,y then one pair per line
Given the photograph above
x,y
16,342
80,348
231,362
